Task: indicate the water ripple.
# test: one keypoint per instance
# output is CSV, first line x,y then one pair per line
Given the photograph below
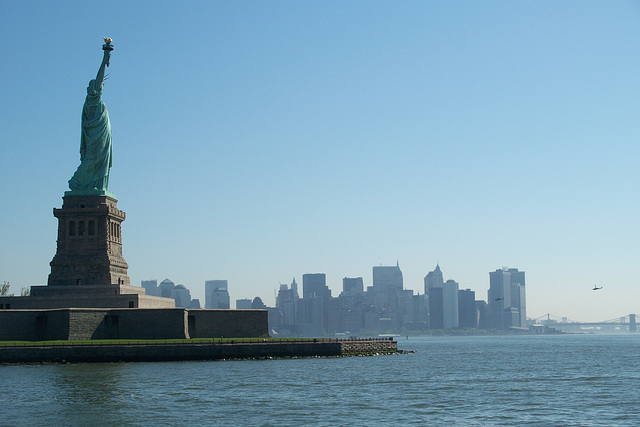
x,y
568,380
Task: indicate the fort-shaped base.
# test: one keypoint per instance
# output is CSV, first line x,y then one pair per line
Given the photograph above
x,y
89,249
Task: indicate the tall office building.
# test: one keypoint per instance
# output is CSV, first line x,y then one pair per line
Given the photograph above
x,y
216,295
387,278
436,308
484,316
419,310
150,287
182,296
165,288
433,279
467,311
287,302
243,304
450,304
518,295
433,288
315,303
352,286
507,301
315,285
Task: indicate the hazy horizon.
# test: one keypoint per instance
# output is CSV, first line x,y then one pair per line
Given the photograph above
x,y
256,142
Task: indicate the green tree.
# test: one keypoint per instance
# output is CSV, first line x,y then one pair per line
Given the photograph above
x,y
25,291
4,290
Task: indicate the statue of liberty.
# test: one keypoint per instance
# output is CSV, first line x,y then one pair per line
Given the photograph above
x,y
95,144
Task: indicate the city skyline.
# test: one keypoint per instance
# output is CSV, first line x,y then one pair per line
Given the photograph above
x,y
259,142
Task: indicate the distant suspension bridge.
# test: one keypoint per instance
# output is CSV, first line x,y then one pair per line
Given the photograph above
x,y
627,322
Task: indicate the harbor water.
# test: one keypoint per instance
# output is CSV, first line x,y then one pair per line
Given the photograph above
x,y
563,380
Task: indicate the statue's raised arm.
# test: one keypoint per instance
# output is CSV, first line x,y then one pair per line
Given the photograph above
x,y
105,62
107,47
92,175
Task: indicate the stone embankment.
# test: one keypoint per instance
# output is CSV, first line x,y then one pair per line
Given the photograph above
x,y
151,352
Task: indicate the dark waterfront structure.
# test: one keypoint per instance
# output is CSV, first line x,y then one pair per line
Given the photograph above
x,y
125,323
198,350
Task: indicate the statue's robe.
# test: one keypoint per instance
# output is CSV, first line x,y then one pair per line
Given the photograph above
x,y
95,144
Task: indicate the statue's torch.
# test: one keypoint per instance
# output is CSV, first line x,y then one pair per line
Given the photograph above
x,y
107,46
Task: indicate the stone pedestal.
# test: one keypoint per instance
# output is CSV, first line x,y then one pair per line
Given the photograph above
x,y
89,250
88,270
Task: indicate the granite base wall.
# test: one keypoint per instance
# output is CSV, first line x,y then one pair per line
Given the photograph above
x,y
228,323
19,325
162,323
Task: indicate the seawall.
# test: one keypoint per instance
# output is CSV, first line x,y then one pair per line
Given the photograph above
x,y
130,323
153,352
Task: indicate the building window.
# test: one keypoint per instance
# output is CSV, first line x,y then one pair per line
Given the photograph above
x,y
92,228
81,228
72,228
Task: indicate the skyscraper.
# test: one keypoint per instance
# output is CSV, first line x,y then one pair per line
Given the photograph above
x,y
216,294
243,304
433,279
387,278
315,285
151,287
467,311
182,296
287,303
315,303
518,295
436,308
165,288
450,304
433,288
507,302
352,285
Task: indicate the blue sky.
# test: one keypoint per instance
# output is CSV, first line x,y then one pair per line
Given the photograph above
x,y
258,141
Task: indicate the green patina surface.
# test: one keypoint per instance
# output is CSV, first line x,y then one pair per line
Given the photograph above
x,y
95,142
